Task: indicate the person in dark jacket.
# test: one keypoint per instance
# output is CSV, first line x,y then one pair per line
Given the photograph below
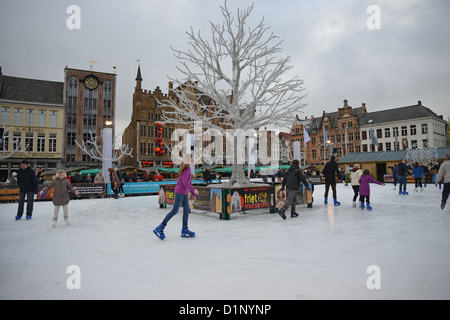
x,y
402,172
331,171
28,185
291,182
77,178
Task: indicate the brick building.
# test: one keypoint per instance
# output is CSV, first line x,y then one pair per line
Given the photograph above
x,y
89,101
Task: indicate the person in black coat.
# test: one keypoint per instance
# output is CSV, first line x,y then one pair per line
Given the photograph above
x,y
402,176
291,182
28,187
331,171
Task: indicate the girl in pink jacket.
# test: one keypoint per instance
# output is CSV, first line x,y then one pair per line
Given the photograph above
x,y
364,188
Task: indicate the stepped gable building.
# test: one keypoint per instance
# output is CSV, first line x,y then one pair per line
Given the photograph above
x,y
32,120
89,101
349,130
142,132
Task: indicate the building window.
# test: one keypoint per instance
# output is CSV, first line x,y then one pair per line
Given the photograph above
x,y
313,141
71,137
29,120
6,112
388,146
42,117
17,140
379,133
52,142
143,149
350,136
425,143
150,116
18,116
53,119
364,135
364,147
424,128
404,130
40,142
150,131
413,129
314,154
29,141
150,148
142,130
4,141
380,147
395,132
414,144
387,133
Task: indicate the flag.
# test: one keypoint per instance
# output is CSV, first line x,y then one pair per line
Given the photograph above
x,y
305,135
325,137
374,139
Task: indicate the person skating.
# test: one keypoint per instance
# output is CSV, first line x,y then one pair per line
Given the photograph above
x,y
402,172
364,188
28,187
444,174
291,182
354,179
331,171
115,182
61,188
418,174
395,175
182,189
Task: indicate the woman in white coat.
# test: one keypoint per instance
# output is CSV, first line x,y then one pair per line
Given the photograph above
x,y
354,176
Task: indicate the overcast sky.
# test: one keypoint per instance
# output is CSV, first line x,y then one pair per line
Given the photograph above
x,y
332,49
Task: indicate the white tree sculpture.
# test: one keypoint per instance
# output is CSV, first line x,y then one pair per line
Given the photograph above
x,y
426,156
93,146
17,147
238,69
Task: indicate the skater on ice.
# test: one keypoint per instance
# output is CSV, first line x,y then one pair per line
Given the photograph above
x,y
444,174
354,180
28,187
418,174
115,182
331,171
183,187
364,188
402,176
61,189
292,181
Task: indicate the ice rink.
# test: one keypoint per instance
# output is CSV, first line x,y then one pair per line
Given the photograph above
x,y
399,250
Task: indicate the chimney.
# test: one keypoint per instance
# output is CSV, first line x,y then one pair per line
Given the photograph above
x,y
364,110
419,103
170,85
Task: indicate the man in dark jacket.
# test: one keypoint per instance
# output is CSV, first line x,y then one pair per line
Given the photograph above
x,y
28,185
402,172
331,171
291,182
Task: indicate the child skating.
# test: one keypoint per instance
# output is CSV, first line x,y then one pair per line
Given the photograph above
x,y
418,174
364,188
61,188
183,187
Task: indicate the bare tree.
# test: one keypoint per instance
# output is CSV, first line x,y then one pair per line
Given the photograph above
x,y
17,147
238,68
93,148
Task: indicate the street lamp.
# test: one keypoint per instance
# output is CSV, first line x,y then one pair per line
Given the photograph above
x,y
107,149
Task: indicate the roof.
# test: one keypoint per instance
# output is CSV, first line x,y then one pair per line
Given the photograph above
x,y
32,90
382,156
398,114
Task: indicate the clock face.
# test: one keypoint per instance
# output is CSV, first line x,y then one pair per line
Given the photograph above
x,y
91,83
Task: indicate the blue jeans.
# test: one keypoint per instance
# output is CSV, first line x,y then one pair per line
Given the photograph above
x,y
402,181
180,200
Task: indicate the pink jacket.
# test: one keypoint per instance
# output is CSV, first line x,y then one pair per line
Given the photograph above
x,y
184,183
364,188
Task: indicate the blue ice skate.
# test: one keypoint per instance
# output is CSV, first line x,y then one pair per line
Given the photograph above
x,y
336,203
18,217
405,193
325,201
159,232
362,205
368,206
28,217
186,233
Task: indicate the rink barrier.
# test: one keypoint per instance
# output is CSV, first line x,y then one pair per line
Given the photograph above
x,y
226,201
9,194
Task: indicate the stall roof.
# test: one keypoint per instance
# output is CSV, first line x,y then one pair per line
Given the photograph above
x,y
392,155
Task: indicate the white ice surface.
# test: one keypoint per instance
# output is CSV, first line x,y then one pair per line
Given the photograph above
x,y
322,254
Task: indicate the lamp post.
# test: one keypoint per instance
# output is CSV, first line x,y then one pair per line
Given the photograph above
x,y
107,146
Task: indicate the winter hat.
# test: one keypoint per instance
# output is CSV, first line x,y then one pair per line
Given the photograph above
x,y
14,174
